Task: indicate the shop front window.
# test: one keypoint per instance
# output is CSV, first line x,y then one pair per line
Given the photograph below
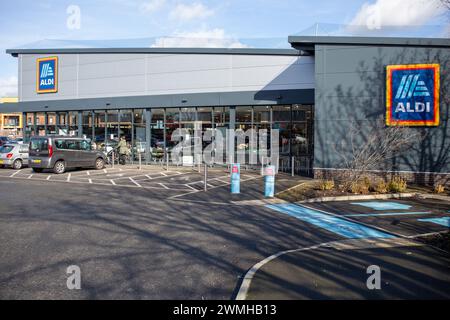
x,y
139,135
73,123
157,135
99,127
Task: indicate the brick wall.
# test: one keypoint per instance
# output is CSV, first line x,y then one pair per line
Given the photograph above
x,y
421,178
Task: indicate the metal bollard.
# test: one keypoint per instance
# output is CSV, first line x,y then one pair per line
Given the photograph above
x,y
205,178
140,161
167,162
292,166
112,158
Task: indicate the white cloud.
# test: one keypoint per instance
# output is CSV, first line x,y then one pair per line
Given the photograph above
x,y
187,12
8,87
383,13
152,5
215,38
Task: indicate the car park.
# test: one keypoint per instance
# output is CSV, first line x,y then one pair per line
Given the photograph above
x,y
60,153
14,155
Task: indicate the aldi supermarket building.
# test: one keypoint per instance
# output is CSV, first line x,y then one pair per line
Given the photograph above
x,y
313,93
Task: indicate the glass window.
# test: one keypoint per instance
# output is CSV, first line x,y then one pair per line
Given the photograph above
x,y
221,116
125,125
87,124
281,113
72,145
172,115
261,114
243,114
40,122
73,123
140,137
39,144
188,114
85,145
6,149
157,134
113,125
60,144
99,126
204,114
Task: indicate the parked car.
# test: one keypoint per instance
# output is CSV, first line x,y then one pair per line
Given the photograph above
x,y
59,153
3,140
17,140
14,155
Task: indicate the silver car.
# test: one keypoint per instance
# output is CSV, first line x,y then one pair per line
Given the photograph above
x,y
60,153
14,155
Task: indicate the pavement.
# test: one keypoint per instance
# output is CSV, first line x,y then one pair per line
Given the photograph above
x,y
155,234
373,232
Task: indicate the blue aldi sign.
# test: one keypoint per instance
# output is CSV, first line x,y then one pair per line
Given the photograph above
x,y
47,75
412,95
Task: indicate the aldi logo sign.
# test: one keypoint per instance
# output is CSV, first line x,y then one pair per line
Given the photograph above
x,y
412,95
47,75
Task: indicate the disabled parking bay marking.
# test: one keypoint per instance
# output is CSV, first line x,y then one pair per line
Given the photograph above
x,y
382,205
328,222
385,214
443,221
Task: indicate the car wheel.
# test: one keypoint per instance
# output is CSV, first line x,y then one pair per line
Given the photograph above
x,y
38,170
17,164
59,167
99,164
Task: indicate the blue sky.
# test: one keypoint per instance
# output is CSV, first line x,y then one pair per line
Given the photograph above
x,y
229,23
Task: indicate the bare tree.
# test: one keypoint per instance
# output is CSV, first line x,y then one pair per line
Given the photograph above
x,y
364,152
446,3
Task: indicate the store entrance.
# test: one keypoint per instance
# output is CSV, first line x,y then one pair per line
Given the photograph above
x,y
296,148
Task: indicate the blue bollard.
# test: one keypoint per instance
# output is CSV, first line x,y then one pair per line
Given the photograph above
x,y
269,181
235,177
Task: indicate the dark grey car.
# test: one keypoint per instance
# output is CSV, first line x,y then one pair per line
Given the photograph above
x,y
60,153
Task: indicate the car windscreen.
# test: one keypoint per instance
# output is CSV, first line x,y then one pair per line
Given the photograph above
x,y
6,149
38,144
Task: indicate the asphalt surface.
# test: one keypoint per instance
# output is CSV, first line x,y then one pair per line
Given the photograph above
x,y
154,234
131,242
406,272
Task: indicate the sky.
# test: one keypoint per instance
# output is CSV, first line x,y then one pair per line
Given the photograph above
x,y
202,23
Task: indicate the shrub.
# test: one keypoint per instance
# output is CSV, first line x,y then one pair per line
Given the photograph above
x,y
326,184
397,184
381,187
439,188
361,186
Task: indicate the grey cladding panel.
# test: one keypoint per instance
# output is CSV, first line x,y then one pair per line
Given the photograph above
x,y
350,88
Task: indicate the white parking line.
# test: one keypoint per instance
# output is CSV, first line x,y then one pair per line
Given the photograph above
x,y
88,173
15,173
48,178
190,187
163,174
132,180
68,177
29,177
112,181
148,177
90,180
163,185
